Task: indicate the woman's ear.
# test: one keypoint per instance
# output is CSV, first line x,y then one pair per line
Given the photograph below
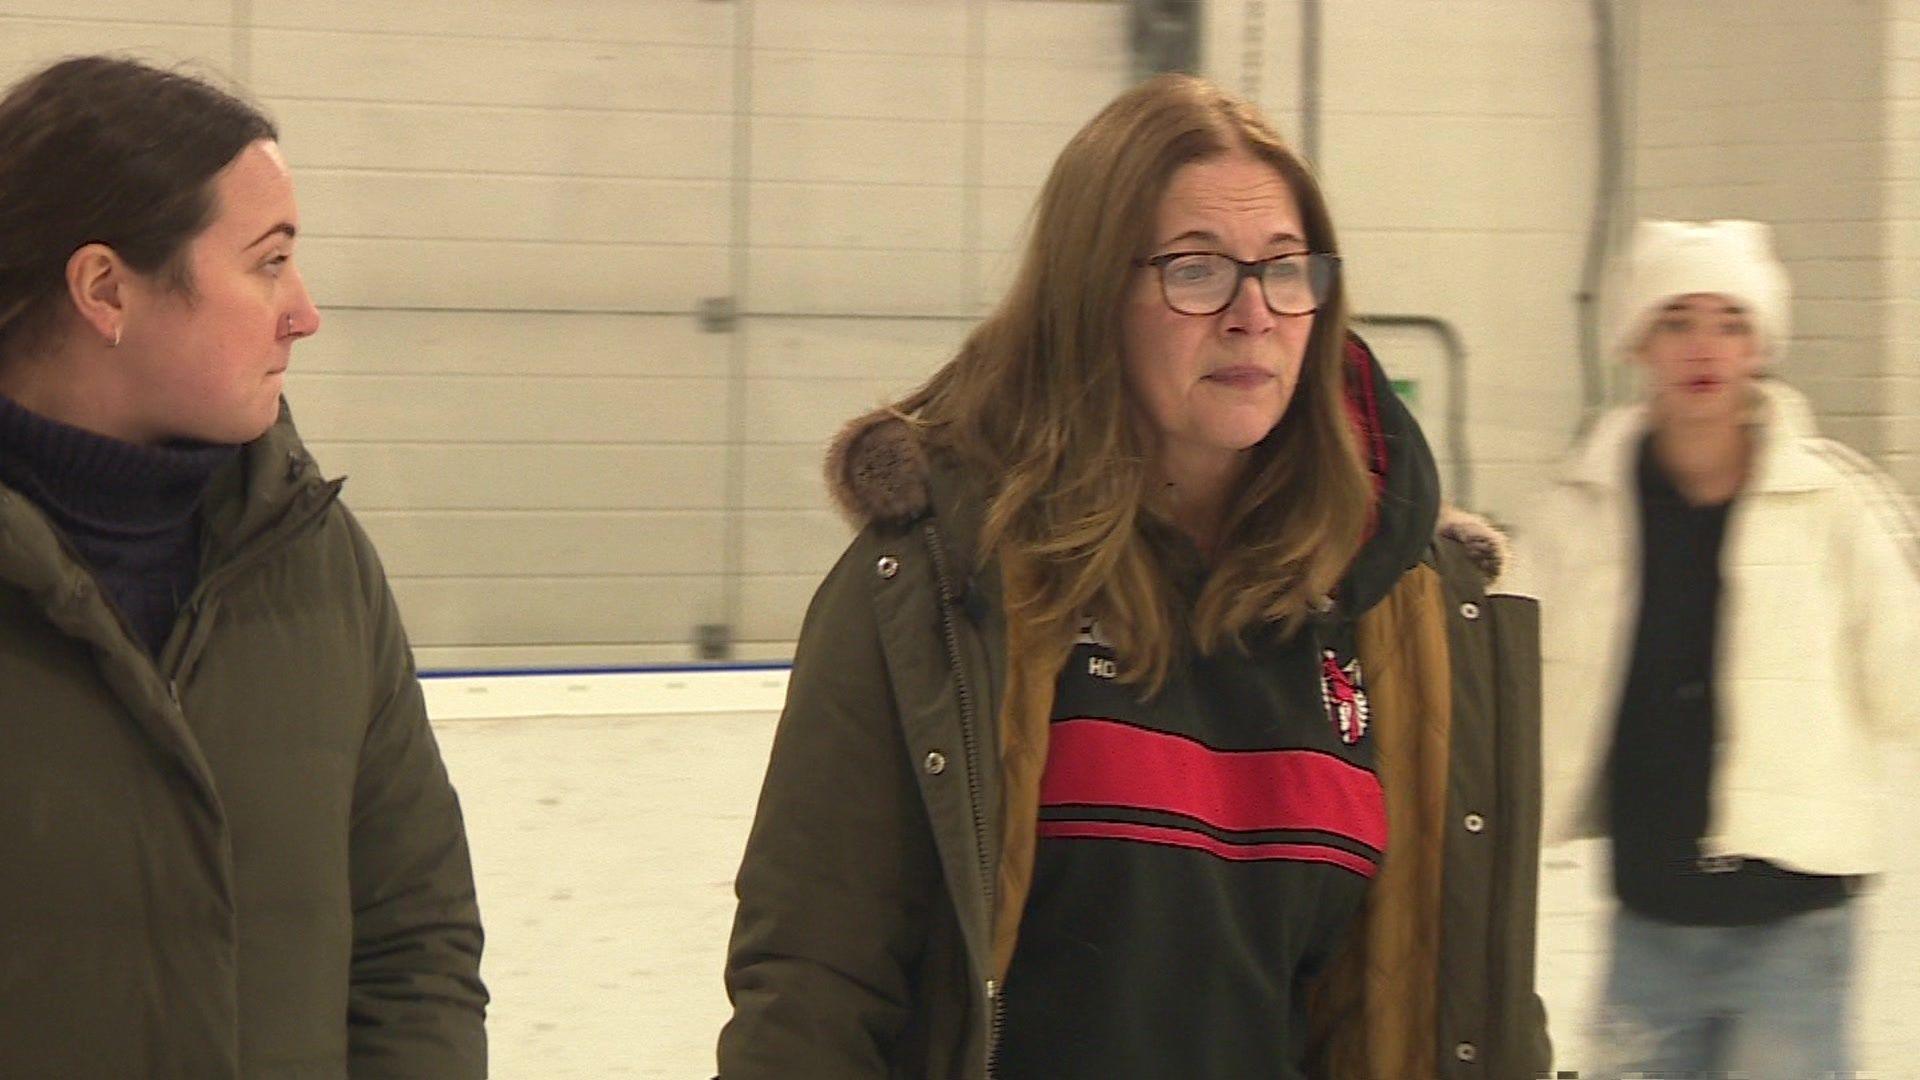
x,y
96,285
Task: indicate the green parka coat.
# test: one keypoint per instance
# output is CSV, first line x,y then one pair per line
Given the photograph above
x,y
881,888
244,859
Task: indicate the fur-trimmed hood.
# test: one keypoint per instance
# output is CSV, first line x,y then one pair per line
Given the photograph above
x,y
879,472
1486,543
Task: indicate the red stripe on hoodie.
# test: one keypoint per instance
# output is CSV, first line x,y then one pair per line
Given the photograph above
x,y
1186,838
1104,763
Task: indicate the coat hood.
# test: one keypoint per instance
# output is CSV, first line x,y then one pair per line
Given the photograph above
x,y
1784,461
880,472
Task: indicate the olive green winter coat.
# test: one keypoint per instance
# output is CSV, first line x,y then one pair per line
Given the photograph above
x,y
243,859
881,888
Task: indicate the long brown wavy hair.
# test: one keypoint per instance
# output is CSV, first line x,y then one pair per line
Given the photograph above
x,y
1036,400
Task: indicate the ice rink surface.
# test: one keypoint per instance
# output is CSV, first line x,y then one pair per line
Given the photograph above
x,y
605,848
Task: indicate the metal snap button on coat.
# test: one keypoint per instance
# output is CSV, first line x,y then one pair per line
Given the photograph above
x,y
936,763
1470,610
1474,823
887,566
1466,1052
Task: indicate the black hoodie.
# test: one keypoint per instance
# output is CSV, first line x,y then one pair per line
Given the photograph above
x,y
1203,852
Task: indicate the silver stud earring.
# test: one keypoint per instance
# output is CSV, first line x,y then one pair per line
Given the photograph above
x,y
116,337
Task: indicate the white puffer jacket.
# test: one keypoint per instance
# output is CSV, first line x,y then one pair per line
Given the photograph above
x,y
1818,663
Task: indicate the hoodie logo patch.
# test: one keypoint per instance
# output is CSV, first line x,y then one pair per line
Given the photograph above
x,y
1090,634
1344,695
1098,666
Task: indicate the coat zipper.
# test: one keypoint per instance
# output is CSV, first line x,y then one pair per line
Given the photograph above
x,y
274,538
999,1014
971,744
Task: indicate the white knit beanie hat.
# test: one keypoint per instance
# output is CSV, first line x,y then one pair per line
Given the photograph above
x,y
1677,258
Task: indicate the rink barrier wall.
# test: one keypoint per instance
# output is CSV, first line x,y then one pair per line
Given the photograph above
x,y
638,691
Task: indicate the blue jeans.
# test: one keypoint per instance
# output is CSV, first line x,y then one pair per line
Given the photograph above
x,y
1753,1002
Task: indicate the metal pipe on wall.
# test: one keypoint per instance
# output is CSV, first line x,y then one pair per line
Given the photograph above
x,y
1310,31
1460,489
1593,379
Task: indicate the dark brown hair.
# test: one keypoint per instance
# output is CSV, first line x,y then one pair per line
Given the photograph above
x,y
99,149
1037,400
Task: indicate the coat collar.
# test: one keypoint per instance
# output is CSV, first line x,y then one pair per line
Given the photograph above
x,y
273,476
1784,462
263,488
879,472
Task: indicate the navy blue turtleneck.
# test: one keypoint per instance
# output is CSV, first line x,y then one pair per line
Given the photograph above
x,y
127,510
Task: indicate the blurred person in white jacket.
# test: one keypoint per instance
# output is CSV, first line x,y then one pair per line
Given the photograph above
x,y
1729,606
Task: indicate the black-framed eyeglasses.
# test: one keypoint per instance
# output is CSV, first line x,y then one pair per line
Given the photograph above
x,y
1205,282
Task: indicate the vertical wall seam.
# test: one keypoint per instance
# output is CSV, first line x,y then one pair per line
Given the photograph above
x,y
740,236
973,158
240,33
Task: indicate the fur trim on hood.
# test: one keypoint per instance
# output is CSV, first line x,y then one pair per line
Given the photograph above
x,y
1486,545
878,472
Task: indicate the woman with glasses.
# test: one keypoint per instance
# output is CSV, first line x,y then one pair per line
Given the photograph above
x,y
1149,727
